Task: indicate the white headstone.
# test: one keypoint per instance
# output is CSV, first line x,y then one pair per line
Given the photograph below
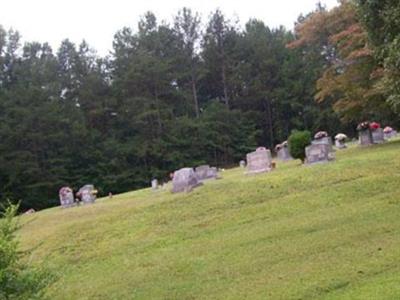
x,y
340,144
154,184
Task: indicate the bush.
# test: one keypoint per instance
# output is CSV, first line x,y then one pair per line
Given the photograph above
x,y
17,280
298,141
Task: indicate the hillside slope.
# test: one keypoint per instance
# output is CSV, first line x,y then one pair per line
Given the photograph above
x,y
322,232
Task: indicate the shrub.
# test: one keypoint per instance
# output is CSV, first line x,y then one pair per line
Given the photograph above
x,y
17,280
298,141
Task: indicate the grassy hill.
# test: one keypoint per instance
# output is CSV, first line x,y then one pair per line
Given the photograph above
x,y
302,232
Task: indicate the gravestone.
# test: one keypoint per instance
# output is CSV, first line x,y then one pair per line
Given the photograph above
x,y
242,164
205,172
390,135
284,154
87,194
365,137
66,197
340,144
325,140
318,153
184,180
154,184
378,136
259,161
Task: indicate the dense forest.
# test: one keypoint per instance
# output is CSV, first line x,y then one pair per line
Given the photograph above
x,y
187,93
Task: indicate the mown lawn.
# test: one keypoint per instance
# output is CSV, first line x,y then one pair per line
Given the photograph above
x,y
318,232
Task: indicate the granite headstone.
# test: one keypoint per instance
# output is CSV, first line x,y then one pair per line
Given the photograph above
x,y
365,137
88,194
205,172
284,154
66,197
318,153
184,180
259,161
325,140
378,136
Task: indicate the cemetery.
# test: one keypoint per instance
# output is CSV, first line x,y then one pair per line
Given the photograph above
x,y
253,215
201,155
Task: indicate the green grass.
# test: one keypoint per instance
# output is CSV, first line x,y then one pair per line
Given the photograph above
x,y
301,232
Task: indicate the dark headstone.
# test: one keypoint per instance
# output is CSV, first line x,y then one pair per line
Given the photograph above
x,y
66,197
318,153
184,180
259,161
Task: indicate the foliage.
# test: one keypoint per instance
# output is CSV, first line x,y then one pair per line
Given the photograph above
x,y
381,21
17,280
351,73
298,141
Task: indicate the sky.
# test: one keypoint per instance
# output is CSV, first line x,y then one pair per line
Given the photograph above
x,y
97,21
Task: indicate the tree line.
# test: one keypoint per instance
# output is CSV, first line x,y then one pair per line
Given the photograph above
x,y
187,93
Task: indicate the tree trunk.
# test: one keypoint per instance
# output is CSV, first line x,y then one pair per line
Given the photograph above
x,y
223,71
269,121
195,99
158,112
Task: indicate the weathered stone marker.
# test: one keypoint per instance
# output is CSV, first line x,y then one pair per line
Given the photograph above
x,y
284,154
365,137
390,135
340,144
154,184
242,164
66,197
340,141
204,172
378,136
259,161
324,141
318,153
185,180
88,194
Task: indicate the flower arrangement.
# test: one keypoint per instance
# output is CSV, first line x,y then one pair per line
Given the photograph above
x,y
341,137
388,129
363,126
320,135
374,126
